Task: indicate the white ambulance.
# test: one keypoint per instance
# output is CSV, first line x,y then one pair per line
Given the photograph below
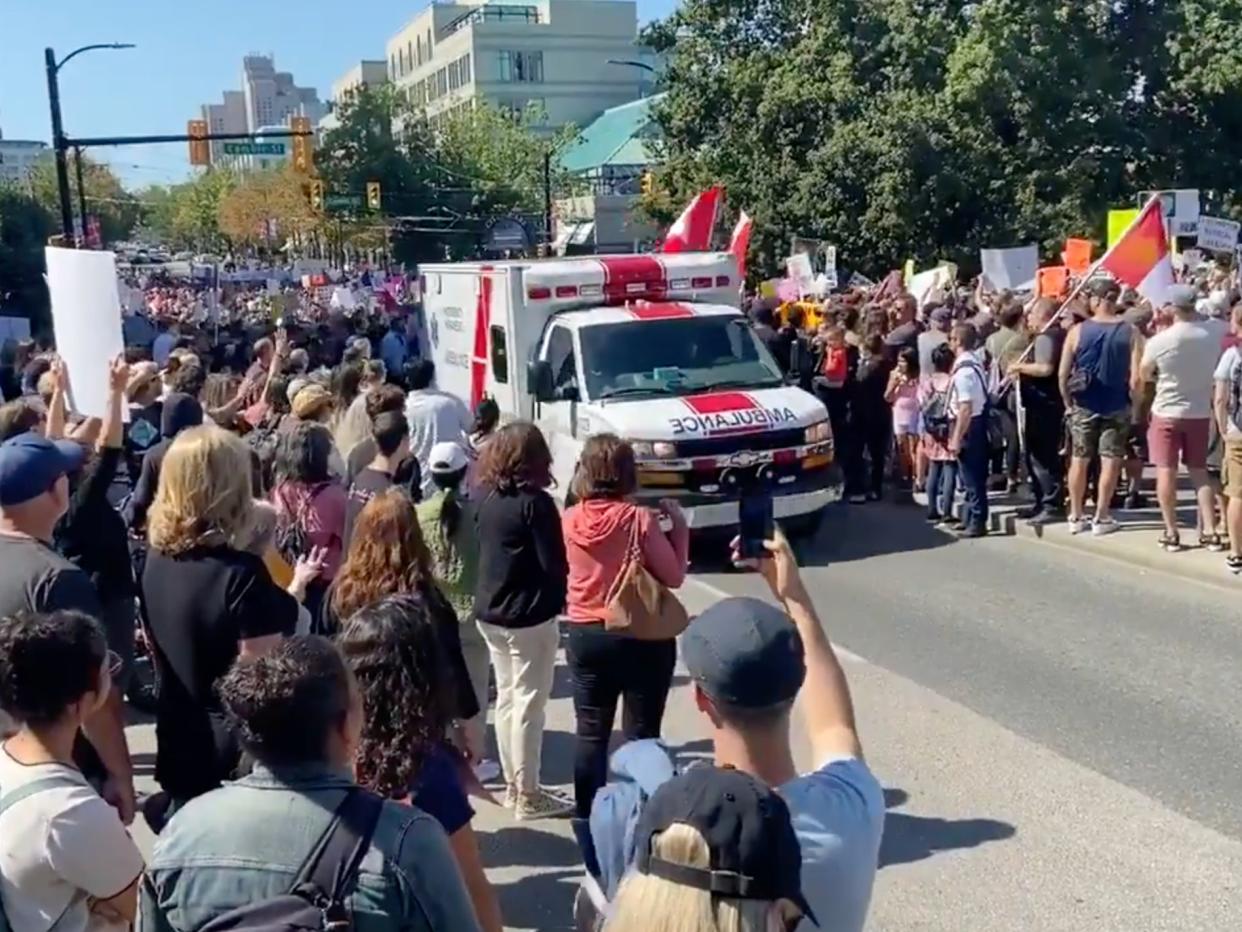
x,y
649,347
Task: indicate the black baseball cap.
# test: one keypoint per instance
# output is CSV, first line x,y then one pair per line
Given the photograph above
x,y
745,652
754,851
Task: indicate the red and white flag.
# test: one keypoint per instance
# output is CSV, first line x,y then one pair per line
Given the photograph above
x,y
1141,257
692,231
740,241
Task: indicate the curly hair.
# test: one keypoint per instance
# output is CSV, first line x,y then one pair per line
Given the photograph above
x,y
517,456
48,662
397,659
387,555
204,491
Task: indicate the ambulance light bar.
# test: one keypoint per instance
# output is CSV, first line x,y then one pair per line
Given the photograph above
x,y
621,279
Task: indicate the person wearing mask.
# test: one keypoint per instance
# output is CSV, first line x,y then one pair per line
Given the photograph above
x,y
518,596
311,503
604,665
447,524
1095,377
434,417
393,649
298,713
34,578
180,412
207,602
1045,414
391,465
64,853
1181,361
714,849
968,437
748,660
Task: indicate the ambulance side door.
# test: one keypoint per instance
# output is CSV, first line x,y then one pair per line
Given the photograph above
x,y
558,418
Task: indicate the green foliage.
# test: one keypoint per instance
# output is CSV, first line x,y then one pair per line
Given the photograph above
x,y
931,128
25,226
118,211
187,215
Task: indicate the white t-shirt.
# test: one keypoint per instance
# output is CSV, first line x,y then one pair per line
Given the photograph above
x,y
434,417
1185,356
1224,373
58,847
838,816
968,385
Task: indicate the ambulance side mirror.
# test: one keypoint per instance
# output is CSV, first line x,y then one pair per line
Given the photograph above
x,y
539,380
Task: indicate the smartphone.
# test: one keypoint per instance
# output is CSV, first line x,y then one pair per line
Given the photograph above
x,y
755,524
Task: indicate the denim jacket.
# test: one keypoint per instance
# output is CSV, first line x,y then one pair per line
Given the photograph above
x,y
245,842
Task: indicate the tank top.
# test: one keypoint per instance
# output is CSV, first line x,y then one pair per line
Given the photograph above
x,y
1104,353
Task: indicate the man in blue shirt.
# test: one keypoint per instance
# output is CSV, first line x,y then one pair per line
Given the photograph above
x,y
393,348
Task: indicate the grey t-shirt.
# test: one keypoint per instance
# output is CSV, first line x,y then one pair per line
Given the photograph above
x,y
1185,356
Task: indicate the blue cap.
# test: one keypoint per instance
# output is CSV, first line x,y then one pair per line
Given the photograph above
x,y
30,464
745,652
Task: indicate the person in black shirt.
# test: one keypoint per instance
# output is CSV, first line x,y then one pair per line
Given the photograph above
x,y
392,465
179,413
207,602
1044,414
145,416
761,323
520,591
871,420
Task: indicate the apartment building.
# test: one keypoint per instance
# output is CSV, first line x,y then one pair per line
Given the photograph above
x,y
561,56
18,157
367,73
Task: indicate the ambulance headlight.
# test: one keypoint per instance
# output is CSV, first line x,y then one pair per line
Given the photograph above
x,y
653,449
819,432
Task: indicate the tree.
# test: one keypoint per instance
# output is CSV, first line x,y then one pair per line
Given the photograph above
x,y
266,207
25,226
106,198
931,128
187,215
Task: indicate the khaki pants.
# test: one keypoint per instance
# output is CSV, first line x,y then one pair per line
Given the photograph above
x,y
475,652
524,659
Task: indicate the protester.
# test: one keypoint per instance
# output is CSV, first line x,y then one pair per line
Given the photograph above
x,y
1001,350
1044,414
941,320
762,323
748,661
1181,361
354,426
901,394
180,412
380,400
938,419
601,531
206,602
142,392
446,520
400,665
394,350
299,715
519,594
904,328
837,365
871,420
1094,379
390,439
434,417
34,496
1227,409
65,858
968,438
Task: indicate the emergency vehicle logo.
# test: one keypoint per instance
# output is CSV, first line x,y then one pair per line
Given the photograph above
x,y
726,414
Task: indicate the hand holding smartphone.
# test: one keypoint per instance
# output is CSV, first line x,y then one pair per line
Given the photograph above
x,y
755,525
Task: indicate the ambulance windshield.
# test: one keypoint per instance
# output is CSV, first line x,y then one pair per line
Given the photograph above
x,y
675,356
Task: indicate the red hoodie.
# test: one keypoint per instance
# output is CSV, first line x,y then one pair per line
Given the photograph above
x,y
597,534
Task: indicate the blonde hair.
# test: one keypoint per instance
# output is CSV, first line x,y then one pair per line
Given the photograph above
x,y
204,492
652,904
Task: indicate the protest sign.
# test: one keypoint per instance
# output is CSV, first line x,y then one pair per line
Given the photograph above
x,y
86,319
787,290
767,289
1010,269
1052,281
1118,222
1188,260
1218,235
1077,256
14,328
799,268
1180,208
909,271
926,286
859,280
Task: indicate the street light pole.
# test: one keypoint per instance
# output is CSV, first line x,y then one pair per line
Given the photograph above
x,y
60,146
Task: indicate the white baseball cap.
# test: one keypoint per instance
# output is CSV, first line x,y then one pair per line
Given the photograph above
x,y
448,457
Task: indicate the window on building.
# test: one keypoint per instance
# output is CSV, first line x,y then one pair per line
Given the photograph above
x,y
418,49
521,67
409,54
392,67
442,81
465,68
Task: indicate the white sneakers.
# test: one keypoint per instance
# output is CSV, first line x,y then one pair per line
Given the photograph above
x,y
1097,528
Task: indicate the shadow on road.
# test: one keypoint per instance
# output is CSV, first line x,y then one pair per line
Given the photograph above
x,y
909,838
856,532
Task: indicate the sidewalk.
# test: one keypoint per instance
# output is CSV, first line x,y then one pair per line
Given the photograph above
x,y
1135,543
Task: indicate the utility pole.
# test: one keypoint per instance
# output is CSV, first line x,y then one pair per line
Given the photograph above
x,y
77,159
547,196
58,145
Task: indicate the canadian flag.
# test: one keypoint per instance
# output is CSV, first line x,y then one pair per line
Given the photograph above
x,y
740,241
1141,258
692,231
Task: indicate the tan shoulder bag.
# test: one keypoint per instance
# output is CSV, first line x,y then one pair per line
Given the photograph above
x,y
641,606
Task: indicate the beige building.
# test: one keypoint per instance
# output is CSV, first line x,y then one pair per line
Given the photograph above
x,y
550,54
367,73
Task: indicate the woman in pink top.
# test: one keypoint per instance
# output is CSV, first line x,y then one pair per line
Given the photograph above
x,y
307,496
605,665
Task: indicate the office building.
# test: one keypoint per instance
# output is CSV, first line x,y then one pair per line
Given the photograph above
x,y
18,157
567,58
267,100
367,73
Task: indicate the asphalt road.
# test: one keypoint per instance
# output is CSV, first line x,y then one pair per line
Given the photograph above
x,y
1060,737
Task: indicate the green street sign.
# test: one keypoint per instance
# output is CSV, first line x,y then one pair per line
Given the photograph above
x,y
254,148
342,201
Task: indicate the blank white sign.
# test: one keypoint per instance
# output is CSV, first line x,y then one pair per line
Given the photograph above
x,y
86,318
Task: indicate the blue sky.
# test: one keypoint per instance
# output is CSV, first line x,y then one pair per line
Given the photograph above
x,y
186,55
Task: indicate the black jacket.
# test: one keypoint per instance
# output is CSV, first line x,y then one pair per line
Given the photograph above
x,y
179,413
523,572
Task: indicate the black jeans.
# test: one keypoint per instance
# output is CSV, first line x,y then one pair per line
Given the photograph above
x,y
873,433
1044,463
604,667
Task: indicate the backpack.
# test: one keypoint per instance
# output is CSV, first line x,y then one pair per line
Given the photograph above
x,y
292,536
641,767
937,418
33,788
316,901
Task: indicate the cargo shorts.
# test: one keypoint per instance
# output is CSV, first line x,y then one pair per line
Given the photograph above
x,y
1102,434
1233,468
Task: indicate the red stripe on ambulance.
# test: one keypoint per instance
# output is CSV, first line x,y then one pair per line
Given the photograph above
x,y
654,310
721,403
482,324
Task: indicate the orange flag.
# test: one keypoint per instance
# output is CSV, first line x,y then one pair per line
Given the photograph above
x,y
1052,282
1077,256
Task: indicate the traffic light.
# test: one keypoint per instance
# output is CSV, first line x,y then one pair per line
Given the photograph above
x,y
200,148
303,144
648,183
316,195
373,195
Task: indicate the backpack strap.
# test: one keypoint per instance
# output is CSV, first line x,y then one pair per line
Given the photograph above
x,y
34,787
332,867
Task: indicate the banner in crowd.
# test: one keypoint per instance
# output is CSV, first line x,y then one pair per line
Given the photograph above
x,y
1118,222
930,285
1010,269
1052,281
1077,256
86,319
1217,234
